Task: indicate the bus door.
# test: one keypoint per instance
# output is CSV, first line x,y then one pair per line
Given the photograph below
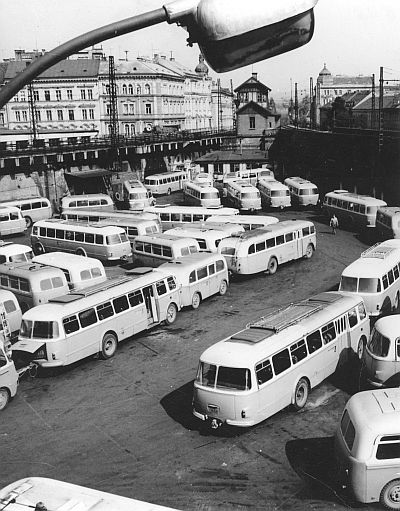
x,y
291,248
151,305
300,244
8,373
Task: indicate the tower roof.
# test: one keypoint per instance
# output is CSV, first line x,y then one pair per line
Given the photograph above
x,y
325,71
201,67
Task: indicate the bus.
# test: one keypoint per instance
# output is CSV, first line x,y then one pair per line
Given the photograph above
x,y
54,495
199,276
166,182
11,221
375,277
267,248
8,376
203,177
160,248
107,243
134,195
134,227
242,195
351,209
252,176
201,194
387,222
248,222
274,194
9,306
302,191
90,201
32,208
367,447
32,283
93,320
275,361
207,238
79,271
14,252
174,216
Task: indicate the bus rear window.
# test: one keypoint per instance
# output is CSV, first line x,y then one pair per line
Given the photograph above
x,y
348,284
379,345
348,431
206,374
233,378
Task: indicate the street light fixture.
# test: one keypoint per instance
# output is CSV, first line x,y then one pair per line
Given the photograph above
x,y
230,33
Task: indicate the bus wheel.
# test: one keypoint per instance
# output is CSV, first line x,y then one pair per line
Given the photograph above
x,y
39,249
172,312
361,347
169,191
272,266
223,287
196,300
390,495
301,394
81,252
4,398
108,346
28,221
309,251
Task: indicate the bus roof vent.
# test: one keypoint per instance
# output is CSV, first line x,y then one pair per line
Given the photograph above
x,y
251,335
378,251
325,298
285,317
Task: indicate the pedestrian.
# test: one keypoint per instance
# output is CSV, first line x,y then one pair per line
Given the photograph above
x,y
334,223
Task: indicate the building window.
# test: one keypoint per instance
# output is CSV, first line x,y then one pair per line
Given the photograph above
x,y
48,115
130,89
36,95
1,118
147,89
38,116
84,114
252,121
124,108
60,115
18,116
138,89
91,113
47,95
124,89
126,128
83,94
71,115
69,93
24,115
90,94
131,108
148,108
108,109
22,95
58,95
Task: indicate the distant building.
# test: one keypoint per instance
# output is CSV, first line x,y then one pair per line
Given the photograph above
x,y
222,104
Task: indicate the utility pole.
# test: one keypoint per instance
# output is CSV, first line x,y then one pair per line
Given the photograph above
x,y
32,108
219,104
380,114
233,107
311,103
296,107
114,125
373,101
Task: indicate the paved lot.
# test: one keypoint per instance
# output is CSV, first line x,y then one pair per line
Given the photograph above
x,y
125,425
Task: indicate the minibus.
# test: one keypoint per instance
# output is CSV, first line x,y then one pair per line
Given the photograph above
x,y
32,283
199,276
276,360
207,238
82,323
174,216
61,496
367,447
104,242
9,307
375,277
248,222
267,248
14,252
381,361
387,222
273,194
302,191
134,226
135,195
8,377
79,271
160,248
203,177
351,209
32,209
166,182
242,195
11,221
201,194
91,201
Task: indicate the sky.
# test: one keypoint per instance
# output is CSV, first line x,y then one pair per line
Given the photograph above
x,y
353,37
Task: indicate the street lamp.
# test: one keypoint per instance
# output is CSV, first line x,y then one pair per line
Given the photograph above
x,y
230,33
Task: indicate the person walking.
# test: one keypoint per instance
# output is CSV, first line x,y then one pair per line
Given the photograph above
x,y
334,223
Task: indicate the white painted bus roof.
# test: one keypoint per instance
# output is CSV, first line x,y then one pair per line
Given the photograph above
x,y
66,259
8,249
273,183
344,194
194,232
389,210
190,262
246,219
79,226
161,237
24,269
373,267
197,210
270,229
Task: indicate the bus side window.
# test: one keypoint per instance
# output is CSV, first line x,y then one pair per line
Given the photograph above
x,y
298,351
161,287
361,311
388,448
396,272
352,318
281,361
211,269
9,306
398,347
71,324
385,282
328,333
391,277
120,304
105,310
264,372
192,277
280,240
3,259
314,341
135,298
171,283
252,249
87,317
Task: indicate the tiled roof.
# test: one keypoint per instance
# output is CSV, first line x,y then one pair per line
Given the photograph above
x,y
64,69
232,156
389,101
254,83
352,80
258,108
137,66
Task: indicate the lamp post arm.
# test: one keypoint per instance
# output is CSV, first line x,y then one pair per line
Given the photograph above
x,y
79,43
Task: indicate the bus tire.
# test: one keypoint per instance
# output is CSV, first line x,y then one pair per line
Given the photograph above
x,y
4,398
301,394
390,495
172,312
39,249
81,252
108,346
28,221
223,287
361,347
309,251
272,265
196,301
169,191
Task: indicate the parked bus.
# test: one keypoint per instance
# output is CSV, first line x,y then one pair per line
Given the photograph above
x,y
32,209
264,249
57,495
82,323
242,195
107,243
252,176
381,363
203,177
248,222
8,377
166,182
79,271
134,227
198,276
91,201
11,221
227,228
302,191
367,447
174,216
275,361
32,283
134,195
160,248
351,209
387,222
207,238
12,314
274,194
201,194
375,277
95,215
14,252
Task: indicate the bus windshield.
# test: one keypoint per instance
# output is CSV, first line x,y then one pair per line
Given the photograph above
x,y
379,344
348,284
361,285
309,191
138,195
279,193
39,329
250,195
25,257
209,195
224,377
114,239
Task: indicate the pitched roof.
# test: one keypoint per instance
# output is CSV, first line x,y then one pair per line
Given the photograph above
x,y
390,100
254,155
253,106
254,83
66,68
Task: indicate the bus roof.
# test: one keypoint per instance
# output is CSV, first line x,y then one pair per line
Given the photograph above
x,y
87,196
110,214
24,269
274,229
240,183
11,209
166,174
218,210
127,221
194,232
65,259
23,201
300,181
389,210
190,262
273,183
79,226
9,248
378,258
246,219
160,237
344,194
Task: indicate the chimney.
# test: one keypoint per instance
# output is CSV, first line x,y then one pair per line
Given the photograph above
x,y
254,75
